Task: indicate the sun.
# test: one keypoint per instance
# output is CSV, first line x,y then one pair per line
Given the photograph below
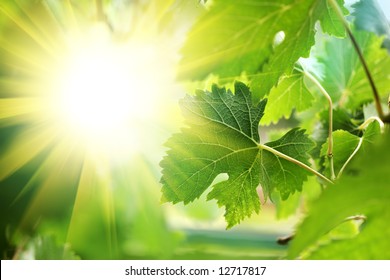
x,y
96,91
81,101
106,92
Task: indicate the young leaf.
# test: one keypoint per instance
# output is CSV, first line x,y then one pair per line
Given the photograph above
x,y
237,36
365,192
289,94
345,144
345,79
222,137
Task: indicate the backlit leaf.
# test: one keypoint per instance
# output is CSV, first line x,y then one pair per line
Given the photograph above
x,y
344,144
345,79
364,190
222,138
370,17
239,36
289,94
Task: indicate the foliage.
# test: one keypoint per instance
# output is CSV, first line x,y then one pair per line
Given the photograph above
x,y
370,17
232,38
305,132
344,77
290,93
262,42
222,137
364,190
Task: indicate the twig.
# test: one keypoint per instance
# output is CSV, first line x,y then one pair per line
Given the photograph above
x,y
285,240
330,128
361,58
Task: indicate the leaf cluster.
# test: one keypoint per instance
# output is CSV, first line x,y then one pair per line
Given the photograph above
x,y
266,43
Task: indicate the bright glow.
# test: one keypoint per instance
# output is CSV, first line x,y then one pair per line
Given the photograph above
x,y
109,91
97,92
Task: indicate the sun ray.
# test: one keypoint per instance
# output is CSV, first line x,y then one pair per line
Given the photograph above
x,y
20,57
28,144
52,168
60,79
47,27
25,25
25,109
11,87
53,194
94,189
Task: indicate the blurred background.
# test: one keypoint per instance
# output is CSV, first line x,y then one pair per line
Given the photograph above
x,y
88,96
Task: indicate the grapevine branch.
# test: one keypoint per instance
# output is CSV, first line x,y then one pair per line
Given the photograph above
x,y
362,61
330,129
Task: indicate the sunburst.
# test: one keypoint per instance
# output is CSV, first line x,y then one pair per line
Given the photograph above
x,y
80,99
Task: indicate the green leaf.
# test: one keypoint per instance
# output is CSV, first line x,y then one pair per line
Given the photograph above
x,y
370,17
342,120
281,175
345,143
222,138
289,94
344,77
297,202
364,190
286,208
238,36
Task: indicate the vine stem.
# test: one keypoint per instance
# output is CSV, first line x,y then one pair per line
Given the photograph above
x,y
293,160
370,120
330,129
361,127
350,157
361,58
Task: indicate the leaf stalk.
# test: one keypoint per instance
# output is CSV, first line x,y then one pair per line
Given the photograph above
x,y
330,128
350,157
370,120
361,58
293,160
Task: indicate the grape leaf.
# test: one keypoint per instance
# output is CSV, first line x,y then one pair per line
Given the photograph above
x,y
370,17
286,208
311,190
289,94
222,137
365,191
237,36
342,120
345,79
344,145
281,175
